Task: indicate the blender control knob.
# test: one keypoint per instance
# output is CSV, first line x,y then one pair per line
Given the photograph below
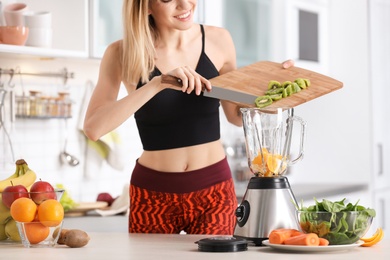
x,y
242,213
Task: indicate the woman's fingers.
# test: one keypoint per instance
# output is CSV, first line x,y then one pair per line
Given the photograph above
x,y
191,80
287,64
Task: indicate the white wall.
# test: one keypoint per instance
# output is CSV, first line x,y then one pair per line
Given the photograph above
x,y
339,124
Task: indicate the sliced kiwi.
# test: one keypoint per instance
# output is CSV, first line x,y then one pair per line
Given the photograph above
x,y
272,84
277,91
301,83
286,83
289,90
276,97
263,101
274,91
307,81
295,87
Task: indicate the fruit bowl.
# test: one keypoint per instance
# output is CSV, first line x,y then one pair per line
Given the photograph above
x,y
36,234
339,228
8,227
37,196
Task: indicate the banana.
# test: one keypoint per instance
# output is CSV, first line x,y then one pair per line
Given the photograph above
x,y
28,176
22,176
6,182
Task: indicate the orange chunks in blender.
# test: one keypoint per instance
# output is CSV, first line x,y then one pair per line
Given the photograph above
x,y
274,164
258,160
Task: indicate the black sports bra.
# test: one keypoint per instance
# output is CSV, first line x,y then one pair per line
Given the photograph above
x,y
173,119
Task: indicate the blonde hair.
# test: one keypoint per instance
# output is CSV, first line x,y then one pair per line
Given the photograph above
x,y
138,53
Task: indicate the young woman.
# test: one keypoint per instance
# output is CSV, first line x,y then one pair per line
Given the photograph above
x,y
181,181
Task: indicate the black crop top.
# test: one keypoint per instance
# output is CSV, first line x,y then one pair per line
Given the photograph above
x,y
173,119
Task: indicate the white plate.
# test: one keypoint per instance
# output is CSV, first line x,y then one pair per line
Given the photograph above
x,y
312,248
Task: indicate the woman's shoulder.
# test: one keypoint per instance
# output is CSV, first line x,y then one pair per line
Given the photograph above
x,y
220,48
215,31
218,36
114,48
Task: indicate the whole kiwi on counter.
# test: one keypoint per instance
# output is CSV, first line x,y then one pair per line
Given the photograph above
x,y
72,237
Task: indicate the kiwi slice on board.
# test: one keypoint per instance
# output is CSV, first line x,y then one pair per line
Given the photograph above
x,y
263,101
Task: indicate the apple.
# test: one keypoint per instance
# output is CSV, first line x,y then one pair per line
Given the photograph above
x,y
106,197
12,193
41,191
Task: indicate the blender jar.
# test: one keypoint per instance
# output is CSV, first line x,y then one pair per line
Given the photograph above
x,y
268,134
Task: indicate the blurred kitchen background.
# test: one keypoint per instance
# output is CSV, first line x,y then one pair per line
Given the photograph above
x,y
347,151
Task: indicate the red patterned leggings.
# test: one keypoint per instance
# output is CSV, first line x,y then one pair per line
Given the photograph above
x,y
176,202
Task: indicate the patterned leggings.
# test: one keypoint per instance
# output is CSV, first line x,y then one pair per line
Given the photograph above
x,y
177,206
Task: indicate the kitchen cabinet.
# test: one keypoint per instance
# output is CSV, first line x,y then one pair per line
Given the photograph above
x,y
70,30
106,25
248,21
379,68
382,205
91,27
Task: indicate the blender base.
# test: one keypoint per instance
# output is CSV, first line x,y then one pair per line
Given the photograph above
x,y
268,204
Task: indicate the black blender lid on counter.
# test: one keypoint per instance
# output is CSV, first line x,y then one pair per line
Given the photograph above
x,y
222,244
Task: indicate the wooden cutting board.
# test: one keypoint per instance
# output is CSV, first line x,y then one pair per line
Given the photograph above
x,y
253,79
82,208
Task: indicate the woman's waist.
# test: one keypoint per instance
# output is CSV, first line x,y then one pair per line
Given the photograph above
x,y
183,159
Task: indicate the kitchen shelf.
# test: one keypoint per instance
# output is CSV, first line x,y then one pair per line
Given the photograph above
x,y
43,117
23,51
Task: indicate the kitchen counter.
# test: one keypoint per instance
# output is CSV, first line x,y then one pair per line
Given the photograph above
x,y
306,191
122,245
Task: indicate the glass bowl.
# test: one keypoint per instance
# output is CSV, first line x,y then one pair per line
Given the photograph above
x,y
35,234
5,214
339,228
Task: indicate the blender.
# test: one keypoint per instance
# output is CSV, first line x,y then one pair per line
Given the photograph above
x,y
268,202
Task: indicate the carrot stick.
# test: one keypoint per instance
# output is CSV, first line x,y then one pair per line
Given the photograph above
x,y
295,232
278,236
323,241
309,239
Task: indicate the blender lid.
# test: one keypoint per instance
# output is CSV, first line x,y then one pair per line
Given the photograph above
x,y
222,244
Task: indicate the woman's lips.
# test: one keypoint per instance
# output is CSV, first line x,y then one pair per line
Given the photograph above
x,y
184,16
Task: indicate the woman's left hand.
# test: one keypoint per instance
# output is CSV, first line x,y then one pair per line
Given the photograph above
x,y
287,64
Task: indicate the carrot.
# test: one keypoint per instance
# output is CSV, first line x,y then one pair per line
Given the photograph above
x,y
278,236
323,241
296,233
309,239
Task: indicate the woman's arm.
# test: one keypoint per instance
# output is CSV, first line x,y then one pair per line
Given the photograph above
x,y
105,112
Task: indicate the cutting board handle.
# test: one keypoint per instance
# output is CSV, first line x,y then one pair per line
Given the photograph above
x,y
168,79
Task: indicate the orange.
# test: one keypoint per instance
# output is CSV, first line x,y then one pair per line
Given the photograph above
x,y
36,232
50,213
259,159
23,210
276,164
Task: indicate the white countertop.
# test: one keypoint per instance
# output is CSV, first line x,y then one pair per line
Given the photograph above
x,y
110,239
122,245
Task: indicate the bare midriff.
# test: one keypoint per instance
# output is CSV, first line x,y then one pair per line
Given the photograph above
x,y
183,159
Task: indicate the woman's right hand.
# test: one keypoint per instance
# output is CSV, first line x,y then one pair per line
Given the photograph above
x,y
190,80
